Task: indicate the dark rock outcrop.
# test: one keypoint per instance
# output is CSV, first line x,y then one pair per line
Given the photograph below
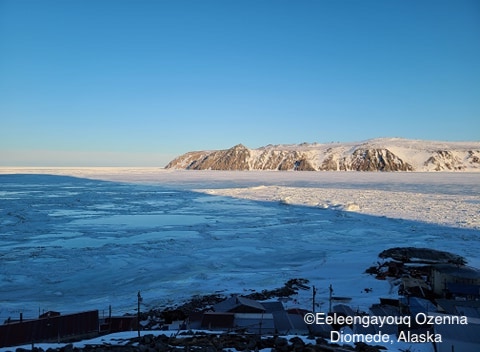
x,y
426,255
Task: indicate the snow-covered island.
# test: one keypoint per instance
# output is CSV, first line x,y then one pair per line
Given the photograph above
x,y
382,154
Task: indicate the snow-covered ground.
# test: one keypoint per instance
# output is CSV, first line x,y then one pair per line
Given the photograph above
x,y
122,338
93,240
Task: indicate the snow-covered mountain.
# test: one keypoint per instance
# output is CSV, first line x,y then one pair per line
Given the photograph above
x,y
383,154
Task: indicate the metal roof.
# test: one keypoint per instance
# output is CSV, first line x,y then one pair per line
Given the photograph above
x,y
283,325
273,306
233,304
344,309
418,305
298,323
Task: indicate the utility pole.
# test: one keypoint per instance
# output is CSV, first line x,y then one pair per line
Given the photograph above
x,y
109,318
330,299
139,299
314,292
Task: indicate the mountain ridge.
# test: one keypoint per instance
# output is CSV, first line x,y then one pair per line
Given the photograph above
x,y
381,154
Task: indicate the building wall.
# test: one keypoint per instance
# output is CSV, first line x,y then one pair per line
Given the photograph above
x,y
439,278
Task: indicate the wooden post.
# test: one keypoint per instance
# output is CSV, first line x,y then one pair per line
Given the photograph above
x,y
314,292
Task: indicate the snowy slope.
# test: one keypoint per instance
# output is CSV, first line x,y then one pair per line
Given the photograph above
x,y
384,154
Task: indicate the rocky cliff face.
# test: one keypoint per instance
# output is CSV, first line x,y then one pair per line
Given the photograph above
x,y
239,158
447,160
236,158
376,160
373,155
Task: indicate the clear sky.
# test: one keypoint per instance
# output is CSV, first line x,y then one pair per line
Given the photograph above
x,y
136,83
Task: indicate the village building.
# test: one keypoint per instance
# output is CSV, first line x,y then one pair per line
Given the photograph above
x,y
448,280
241,314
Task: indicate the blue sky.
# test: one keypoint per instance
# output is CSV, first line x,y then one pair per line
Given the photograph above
x,y
136,83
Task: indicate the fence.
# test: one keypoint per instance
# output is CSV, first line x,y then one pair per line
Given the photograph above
x,y
49,328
